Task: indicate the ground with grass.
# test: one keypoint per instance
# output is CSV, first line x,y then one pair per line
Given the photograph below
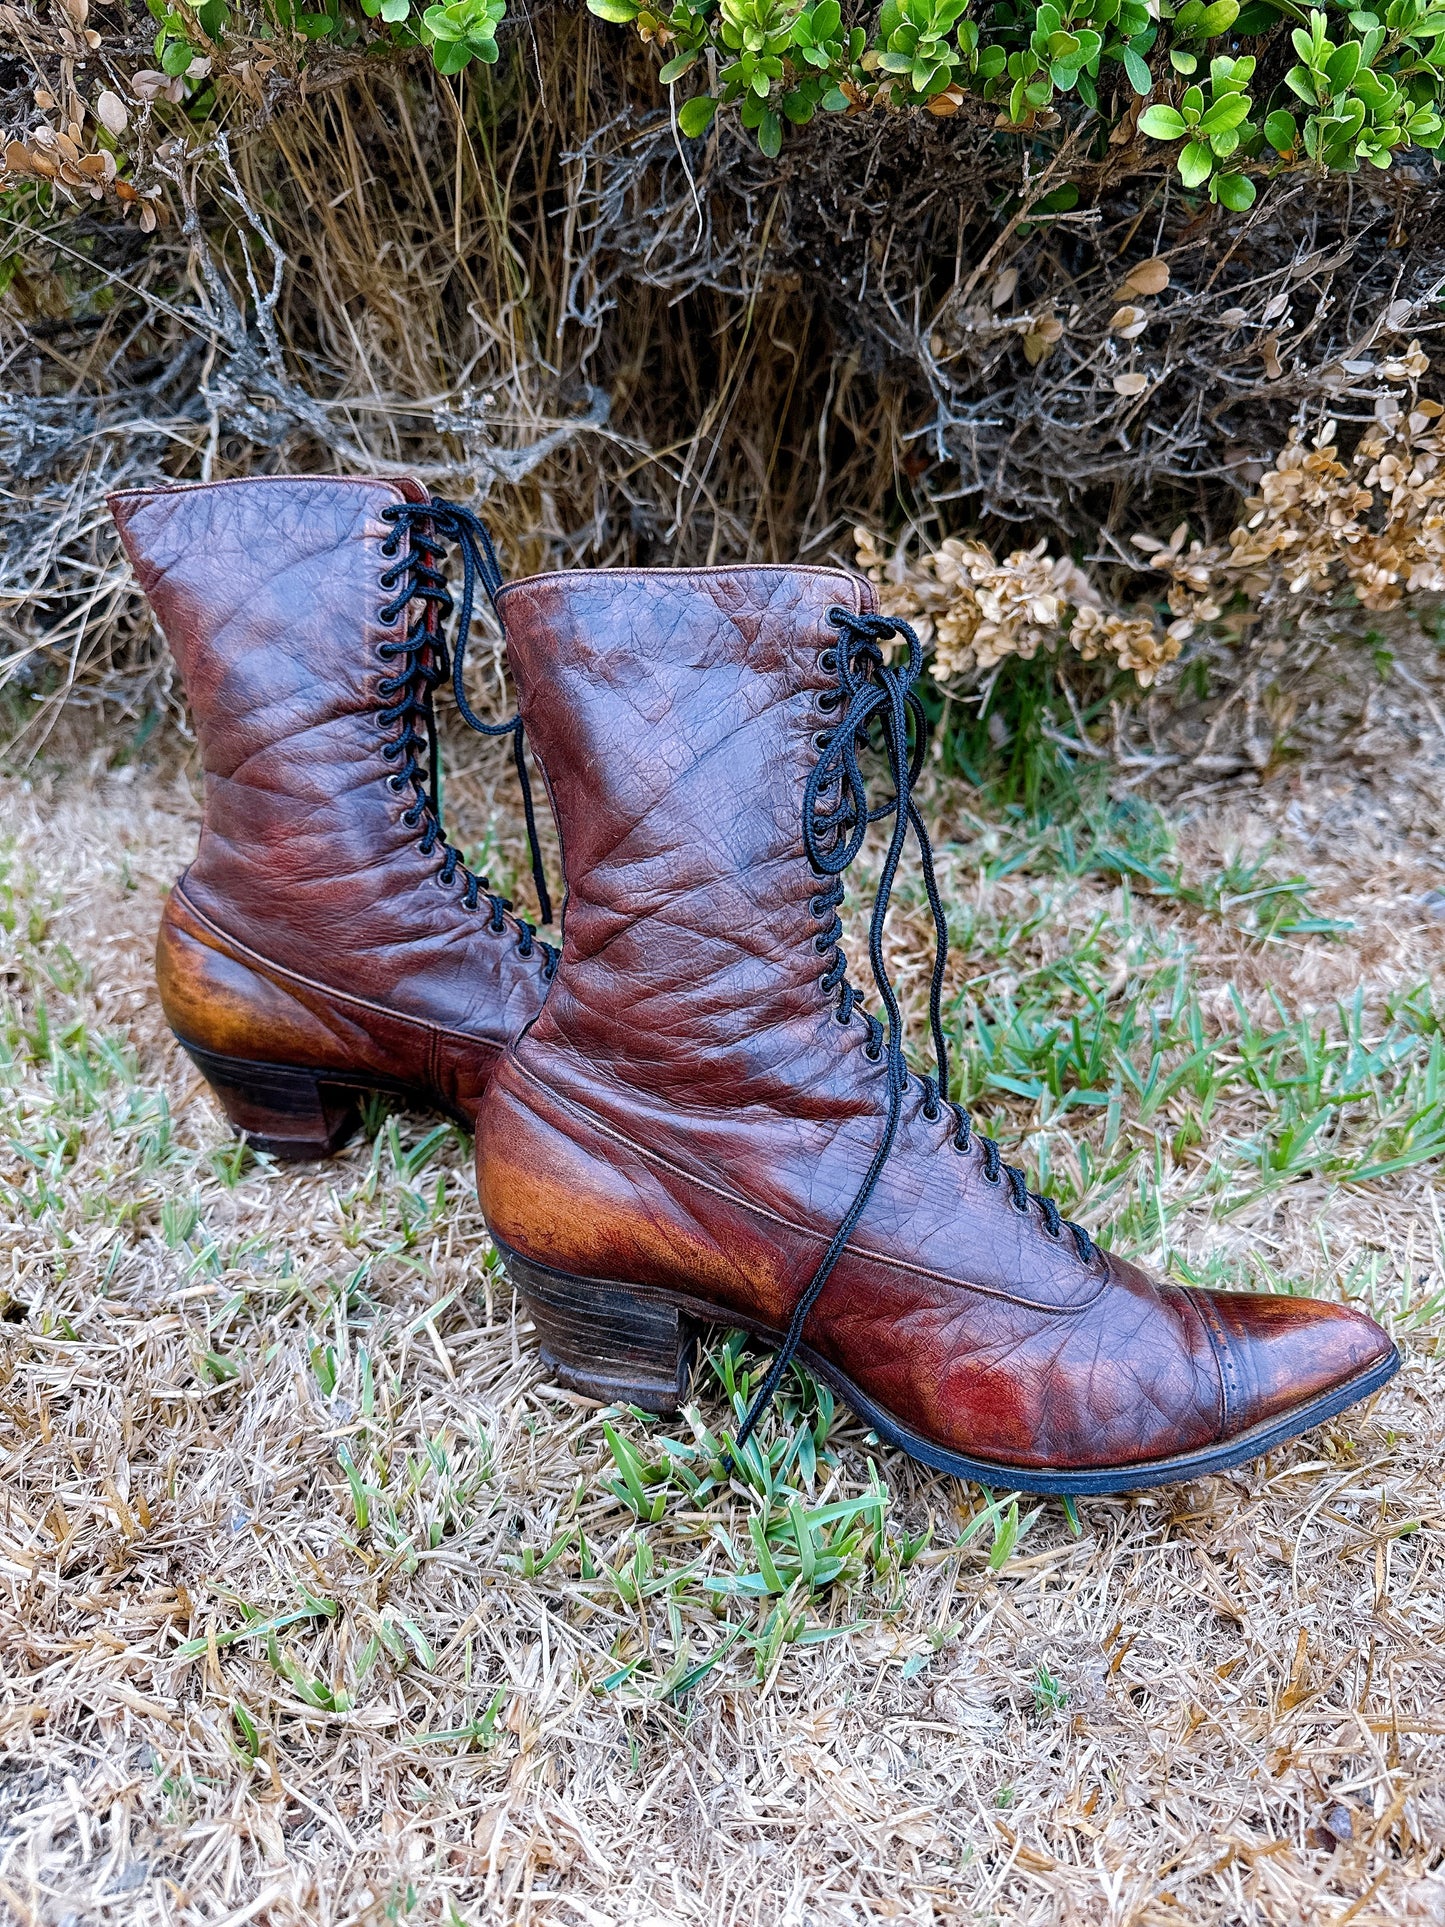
x,y
318,1602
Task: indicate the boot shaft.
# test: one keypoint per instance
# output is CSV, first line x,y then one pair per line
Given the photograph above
x,y
271,594
268,592
675,712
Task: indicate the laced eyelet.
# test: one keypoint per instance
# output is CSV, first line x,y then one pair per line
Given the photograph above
x,y
933,1115
874,1053
1022,1209
831,701
444,882
821,739
827,660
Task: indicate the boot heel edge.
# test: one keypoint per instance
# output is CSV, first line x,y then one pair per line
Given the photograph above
x,y
606,1340
291,1113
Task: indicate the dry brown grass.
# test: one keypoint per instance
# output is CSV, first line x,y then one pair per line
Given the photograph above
x,y
1220,1703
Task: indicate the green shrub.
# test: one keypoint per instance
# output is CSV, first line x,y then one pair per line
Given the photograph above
x,y
1362,84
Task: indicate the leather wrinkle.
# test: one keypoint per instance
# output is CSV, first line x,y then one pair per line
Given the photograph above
x,y
800,1230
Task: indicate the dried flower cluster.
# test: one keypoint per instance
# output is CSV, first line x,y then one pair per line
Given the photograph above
x,y
1372,521
975,610
58,151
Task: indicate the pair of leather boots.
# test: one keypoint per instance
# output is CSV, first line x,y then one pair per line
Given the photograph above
x,y
688,1114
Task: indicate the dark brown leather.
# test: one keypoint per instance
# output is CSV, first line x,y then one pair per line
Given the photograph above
x,y
310,930
687,1113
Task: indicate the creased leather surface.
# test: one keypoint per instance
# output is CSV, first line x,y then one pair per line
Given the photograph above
x,y
687,1113
268,592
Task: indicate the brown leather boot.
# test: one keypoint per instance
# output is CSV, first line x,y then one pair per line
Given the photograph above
x,y
327,940
704,1123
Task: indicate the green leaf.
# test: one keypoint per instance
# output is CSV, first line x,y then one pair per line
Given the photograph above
x,y
1281,131
177,56
770,135
1137,68
394,10
1218,19
1182,63
450,56
694,117
1195,164
1234,190
1162,123
1343,64
1225,114
1298,81
619,12
675,68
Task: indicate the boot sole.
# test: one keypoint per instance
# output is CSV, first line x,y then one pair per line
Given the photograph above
x,y
634,1344
299,1114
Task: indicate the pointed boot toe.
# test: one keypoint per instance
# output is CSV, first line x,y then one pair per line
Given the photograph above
x,y
1286,1363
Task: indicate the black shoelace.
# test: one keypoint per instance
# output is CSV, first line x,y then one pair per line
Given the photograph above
x,y
872,692
421,659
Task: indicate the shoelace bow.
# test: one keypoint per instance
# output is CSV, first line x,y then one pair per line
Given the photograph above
x,y
873,692
422,656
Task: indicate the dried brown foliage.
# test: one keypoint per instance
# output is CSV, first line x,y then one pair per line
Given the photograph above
x,y
1369,522
523,286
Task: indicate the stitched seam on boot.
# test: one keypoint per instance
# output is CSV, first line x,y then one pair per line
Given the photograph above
x,y
802,1230
250,481
266,967
1229,1388
713,574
